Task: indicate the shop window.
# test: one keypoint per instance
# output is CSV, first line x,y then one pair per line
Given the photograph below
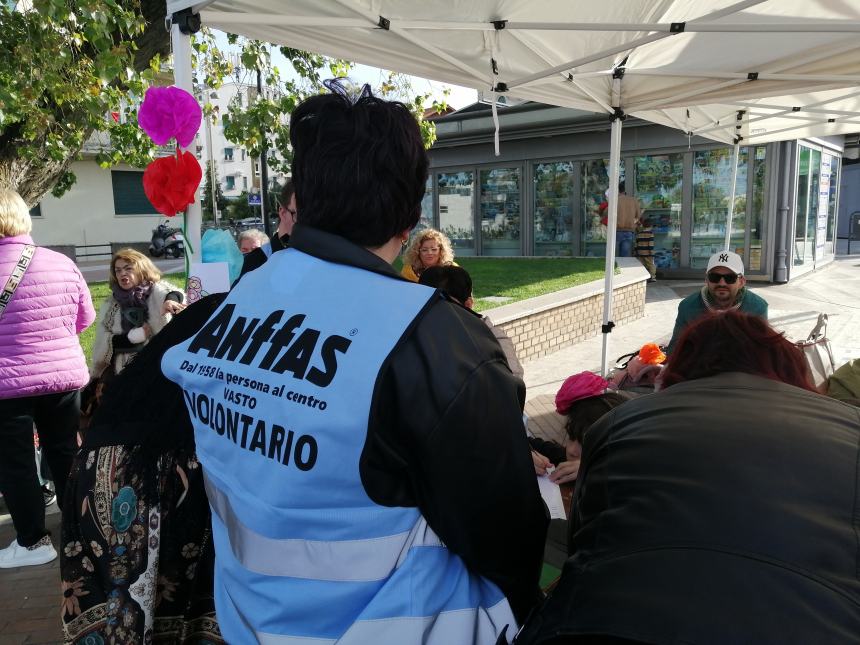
x,y
128,195
426,219
456,209
553,208
500,211
712,187
595,184
756,214
806,206
830,175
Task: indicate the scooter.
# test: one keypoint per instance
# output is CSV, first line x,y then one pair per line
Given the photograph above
x,y
166,241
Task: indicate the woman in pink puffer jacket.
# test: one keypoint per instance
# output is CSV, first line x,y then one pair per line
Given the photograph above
x,y
42,369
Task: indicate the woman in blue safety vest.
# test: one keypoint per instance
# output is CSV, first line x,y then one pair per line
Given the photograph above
x,y
360,436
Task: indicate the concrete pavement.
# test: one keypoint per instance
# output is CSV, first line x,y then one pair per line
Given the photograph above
x,y
792,308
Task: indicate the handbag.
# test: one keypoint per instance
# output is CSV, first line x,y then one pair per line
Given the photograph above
x,y
818,353
16,276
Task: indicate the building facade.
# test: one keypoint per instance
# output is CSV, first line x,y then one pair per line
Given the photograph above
x,y
237,172
542,195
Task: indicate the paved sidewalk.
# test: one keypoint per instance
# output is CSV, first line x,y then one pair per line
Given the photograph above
x,y
30,596
793,308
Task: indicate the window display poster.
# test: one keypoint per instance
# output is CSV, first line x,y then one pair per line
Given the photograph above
x,y
823,204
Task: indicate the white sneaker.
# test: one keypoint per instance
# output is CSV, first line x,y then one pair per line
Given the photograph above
x,y
16,555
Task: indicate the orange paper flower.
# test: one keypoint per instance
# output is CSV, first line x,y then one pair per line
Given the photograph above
x,y
170,182
651,354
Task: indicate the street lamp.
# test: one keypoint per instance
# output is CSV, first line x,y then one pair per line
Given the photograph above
x,y
213,176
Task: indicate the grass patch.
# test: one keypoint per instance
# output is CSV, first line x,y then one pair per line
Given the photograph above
x,y
512,278
522,278
99,291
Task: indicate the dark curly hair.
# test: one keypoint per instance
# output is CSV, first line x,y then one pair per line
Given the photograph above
x,y
730,341
359,165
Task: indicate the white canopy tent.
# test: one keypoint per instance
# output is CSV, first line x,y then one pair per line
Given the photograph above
x,y
782,65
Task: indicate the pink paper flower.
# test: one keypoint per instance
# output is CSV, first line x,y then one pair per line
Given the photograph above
x,y
169,112
170,182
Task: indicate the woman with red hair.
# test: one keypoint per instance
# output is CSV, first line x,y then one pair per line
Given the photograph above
x,y
717,510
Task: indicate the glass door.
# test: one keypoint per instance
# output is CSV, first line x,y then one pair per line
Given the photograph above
x,y
801,206
500,211
659,189
595,184
809,249
456,209
712,189
553,208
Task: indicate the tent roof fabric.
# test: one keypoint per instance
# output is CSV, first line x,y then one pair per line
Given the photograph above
x,y
688,64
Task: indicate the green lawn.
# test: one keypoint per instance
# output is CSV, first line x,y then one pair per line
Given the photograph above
x,y
521,278
513,278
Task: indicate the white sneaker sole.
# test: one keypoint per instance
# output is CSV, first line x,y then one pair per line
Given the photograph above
x,y
34,559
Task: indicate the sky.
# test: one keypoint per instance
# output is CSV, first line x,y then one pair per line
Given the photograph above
x,y
459,97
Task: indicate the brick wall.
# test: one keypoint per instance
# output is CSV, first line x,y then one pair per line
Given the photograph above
x,y
545,332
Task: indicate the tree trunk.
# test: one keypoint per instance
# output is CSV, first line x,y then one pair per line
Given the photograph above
x,y
32,179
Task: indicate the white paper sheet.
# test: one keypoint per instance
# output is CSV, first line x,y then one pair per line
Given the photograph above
x,y
206,278
551,494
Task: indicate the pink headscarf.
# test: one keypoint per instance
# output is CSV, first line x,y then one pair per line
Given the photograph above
x,y
576,387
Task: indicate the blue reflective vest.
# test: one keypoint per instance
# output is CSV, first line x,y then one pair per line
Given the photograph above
x,y
278,384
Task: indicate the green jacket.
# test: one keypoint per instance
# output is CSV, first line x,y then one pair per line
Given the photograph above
x,y
693,306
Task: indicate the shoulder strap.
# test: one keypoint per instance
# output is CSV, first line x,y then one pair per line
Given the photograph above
x,y
17,275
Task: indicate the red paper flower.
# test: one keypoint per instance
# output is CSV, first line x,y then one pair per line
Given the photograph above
x,y
170,182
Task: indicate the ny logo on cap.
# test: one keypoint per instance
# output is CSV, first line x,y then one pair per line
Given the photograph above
x,y
724,257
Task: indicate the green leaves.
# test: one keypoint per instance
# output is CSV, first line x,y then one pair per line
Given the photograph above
x,y
62,65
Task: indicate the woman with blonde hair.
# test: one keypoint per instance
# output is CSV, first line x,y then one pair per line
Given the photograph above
x,y
429,248
44,305
140,305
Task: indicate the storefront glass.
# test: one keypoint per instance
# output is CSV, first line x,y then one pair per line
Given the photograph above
x,y
831,200
659,183
500,211
809,253
712,187
553,208
595,183
801,206
756,214
426,219
456,209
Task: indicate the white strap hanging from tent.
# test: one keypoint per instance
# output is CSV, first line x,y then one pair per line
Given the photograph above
x,y
735,162
494,48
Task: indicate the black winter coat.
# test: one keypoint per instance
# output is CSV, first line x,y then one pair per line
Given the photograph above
x,y
722,510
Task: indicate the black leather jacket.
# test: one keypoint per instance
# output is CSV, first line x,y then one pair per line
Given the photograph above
x,y
445,432
722,510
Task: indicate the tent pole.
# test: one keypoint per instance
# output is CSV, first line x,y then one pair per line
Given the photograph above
x,y
729,216
184,79
611,226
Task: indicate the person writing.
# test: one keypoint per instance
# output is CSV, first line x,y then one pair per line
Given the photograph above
x,y
725,288
722,509
345,439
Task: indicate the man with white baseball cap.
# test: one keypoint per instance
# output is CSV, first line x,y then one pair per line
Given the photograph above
x,y
724,289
